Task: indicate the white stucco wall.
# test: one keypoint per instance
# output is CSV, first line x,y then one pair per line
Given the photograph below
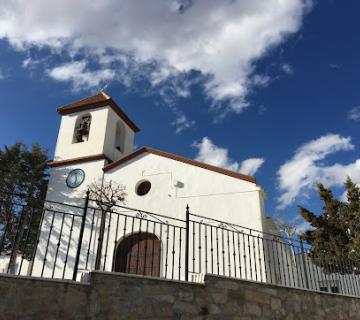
x,y
66,149
22,265
176,184
58,190
109,142
209,194
63,212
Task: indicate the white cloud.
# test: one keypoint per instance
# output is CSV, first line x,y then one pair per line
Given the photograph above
x,y
251,166
298,176
2,75
27,62
212,154
182,123
354,114
261,80
31,62
303,226
220,39
77,73
209,153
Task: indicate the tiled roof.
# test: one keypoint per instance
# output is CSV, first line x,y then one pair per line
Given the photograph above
x,y
97,101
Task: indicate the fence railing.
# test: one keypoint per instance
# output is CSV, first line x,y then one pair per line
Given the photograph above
x,y
57,240
227,249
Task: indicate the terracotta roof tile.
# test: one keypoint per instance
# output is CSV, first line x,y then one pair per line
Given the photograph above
x,y
99,100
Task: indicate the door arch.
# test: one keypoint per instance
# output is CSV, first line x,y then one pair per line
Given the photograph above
x,y
139,253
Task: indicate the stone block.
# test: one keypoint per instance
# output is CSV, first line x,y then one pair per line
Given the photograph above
x,y
227,284
232,308
214,309
251,308
257,296
187,295
275,303
186,308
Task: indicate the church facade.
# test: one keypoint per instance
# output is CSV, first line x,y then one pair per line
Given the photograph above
x,y
95,143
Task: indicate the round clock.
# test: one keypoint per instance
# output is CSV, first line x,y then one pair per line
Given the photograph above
x,y
75,178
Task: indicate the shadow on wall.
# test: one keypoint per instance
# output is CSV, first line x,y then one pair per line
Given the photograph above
x,y
58,190
54,254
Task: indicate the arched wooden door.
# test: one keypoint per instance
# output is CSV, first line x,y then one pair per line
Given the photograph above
x,y
139,254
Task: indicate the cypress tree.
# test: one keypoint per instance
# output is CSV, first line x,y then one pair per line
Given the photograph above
x,y
335,233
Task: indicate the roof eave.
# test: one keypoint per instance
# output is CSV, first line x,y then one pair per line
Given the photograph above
x,y
72,161
68,109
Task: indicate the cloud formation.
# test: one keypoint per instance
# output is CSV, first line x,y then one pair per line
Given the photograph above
x,y
298,176
182,123
209,153
354,114
157,40
251,166
78,73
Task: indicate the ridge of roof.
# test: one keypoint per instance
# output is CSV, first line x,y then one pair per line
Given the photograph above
x,y
98,100
180,159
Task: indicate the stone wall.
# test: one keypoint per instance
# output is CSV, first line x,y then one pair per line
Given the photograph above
x,y
119,296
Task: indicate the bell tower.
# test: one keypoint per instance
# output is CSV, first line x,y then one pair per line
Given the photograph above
x,y
92,127
93,133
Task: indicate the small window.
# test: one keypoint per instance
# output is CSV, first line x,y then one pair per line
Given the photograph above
x,y
120,136
143,187
82,128
324,289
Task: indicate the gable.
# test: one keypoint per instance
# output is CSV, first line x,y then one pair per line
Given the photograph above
x,y
179,159
94,102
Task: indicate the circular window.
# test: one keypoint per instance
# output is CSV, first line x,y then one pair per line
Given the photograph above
x,y
75,178
143,187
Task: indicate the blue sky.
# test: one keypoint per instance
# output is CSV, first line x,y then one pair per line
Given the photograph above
x,y
274,83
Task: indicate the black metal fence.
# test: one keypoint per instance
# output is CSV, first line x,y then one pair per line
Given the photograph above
x,y
227,249
57,240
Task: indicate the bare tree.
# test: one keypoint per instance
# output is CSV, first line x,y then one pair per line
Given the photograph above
x,y
290,230
106,194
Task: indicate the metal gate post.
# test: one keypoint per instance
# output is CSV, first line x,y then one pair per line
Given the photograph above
x,y
76,266
304,264
187,244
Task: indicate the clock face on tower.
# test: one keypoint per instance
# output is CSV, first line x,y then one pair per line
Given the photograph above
x,y
75,178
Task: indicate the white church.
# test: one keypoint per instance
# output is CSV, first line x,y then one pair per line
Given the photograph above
x,y
181,218
106,151
96,143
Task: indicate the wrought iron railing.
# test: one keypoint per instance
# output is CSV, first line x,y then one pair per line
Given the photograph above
x,y
231,250
57,240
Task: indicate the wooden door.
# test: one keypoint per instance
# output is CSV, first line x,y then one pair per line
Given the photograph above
x,y
139,254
